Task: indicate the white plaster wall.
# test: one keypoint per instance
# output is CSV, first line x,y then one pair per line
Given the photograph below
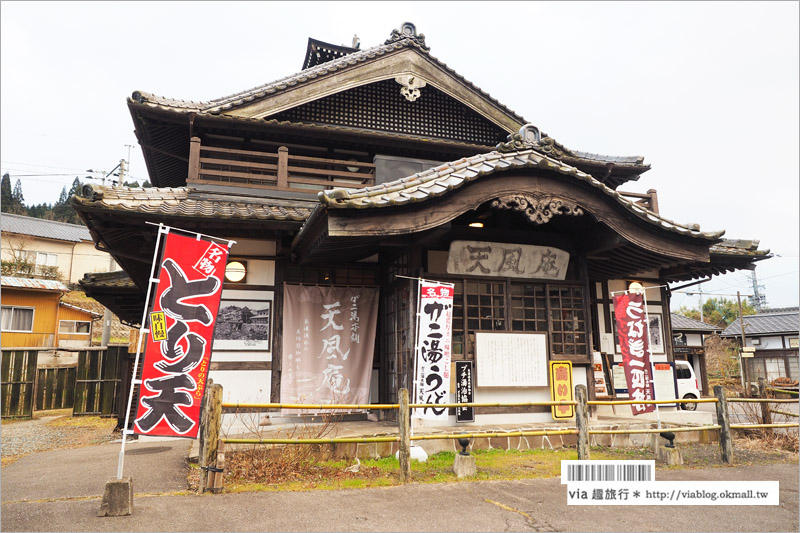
x,y
767,343
243,386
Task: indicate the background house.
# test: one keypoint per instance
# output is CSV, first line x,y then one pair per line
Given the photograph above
x,y
34,316
52,248
688,342
774,335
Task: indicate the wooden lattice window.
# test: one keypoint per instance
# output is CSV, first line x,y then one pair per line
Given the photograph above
x,y
568,320
486,305
528,307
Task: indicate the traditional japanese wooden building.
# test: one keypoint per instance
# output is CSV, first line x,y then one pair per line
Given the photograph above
x,y
368,168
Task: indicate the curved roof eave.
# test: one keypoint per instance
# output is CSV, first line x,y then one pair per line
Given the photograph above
x,y
438,181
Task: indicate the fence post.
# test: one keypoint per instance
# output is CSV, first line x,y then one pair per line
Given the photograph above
x,y
212,417
725,441
404,421
582,421
766,416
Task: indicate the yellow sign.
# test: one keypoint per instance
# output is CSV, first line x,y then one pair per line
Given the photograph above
x,y
561,389
158,326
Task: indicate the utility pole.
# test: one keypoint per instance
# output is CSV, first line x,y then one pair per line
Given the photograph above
x,y
701,304
758,299
744,341
122,172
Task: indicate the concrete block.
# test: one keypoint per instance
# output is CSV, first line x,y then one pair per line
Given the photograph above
x,y
117,498
464,465
669,456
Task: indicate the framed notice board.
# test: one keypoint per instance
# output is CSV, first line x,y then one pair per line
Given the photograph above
x,y
511,359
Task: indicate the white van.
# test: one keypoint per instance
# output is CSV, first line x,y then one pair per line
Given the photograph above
x,y
687,384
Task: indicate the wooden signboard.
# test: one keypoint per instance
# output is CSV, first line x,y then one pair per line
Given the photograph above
x,y
465,393
511,359
561,389
665,386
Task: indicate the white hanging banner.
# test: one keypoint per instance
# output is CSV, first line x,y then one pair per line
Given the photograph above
x,y
433,348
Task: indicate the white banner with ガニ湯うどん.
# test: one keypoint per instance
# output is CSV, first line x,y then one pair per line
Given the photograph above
x,y
433,348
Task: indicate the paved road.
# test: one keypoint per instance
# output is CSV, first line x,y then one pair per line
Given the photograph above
x,y
60,491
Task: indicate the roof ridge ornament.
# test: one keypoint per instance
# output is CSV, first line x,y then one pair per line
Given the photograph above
x,y
407,30
529,137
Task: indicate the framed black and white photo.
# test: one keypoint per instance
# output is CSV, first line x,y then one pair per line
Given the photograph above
x,y
243,325
656,333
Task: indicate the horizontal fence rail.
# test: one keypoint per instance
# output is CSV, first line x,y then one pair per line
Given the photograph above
x,y
581,429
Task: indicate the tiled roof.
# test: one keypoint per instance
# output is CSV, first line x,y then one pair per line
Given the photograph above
x,y
48,229
75,307
118,279
185,202
625,160
765,324
681,323
440,180
737,247
38,284
220,105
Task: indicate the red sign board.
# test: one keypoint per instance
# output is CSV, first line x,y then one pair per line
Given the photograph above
x,y
178,351
634,342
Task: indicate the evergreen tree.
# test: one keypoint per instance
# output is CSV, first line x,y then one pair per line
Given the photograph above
x,y
76,188
5,194
17,204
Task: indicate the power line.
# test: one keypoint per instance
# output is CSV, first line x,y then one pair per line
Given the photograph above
x,y
40,166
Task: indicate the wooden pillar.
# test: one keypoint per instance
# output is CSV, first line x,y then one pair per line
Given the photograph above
x,y
277,328
653,200
725,440
283,167
211,425
404,422
766,416
582,421
194,159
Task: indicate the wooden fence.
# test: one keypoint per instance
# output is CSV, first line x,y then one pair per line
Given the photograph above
x,y
55,388
91,388
17,382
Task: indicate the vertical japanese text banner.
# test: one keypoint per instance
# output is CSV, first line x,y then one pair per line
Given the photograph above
x,y
178,348
328,344
633,340
433,348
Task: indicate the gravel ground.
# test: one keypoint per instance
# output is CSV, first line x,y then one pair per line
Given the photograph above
x,y
21,437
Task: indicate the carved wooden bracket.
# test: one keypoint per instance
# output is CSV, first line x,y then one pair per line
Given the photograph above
x,y
410,86
538,210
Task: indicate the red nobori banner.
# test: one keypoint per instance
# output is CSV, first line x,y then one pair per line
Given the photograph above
x,y
434,339
634,343
182,317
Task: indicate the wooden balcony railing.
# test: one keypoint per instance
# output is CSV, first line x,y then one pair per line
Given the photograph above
x,y
648,200
276,171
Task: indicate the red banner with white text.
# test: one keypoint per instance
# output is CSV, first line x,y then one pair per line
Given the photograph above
x,y
181,321
632,330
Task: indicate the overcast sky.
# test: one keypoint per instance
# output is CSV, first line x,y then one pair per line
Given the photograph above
x,y
706,92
